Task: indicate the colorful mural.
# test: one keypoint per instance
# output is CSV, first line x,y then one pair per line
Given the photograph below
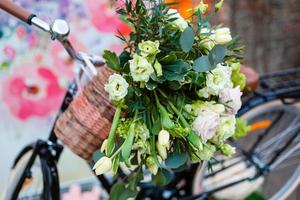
x,y
35,71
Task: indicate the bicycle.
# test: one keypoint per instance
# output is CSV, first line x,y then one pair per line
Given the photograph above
x,y
42,156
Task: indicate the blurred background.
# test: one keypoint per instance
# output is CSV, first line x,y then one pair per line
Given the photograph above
x,y
34,71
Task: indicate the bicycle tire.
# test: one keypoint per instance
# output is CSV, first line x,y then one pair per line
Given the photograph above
x,y
293,181
49,182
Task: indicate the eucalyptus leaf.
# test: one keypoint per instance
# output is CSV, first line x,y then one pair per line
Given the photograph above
x,y
187,39
97,155
217,54
112,60
176,160
202,64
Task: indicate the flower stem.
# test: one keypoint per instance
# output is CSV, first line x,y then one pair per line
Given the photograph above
x,y
111,136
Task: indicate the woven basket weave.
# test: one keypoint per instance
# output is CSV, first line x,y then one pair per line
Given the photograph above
x,y
86,123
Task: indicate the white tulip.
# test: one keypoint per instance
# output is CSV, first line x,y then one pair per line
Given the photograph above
x,y
104,146
103,165
162,150
164,138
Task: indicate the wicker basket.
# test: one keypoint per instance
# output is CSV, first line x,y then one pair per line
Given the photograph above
x,y
86,123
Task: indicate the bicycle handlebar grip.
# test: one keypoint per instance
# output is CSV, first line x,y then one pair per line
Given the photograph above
x,y
16,10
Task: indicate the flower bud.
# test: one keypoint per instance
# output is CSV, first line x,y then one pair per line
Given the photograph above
x,y
151,165
162,150
104,146
227,150
163,138
103,165
222,35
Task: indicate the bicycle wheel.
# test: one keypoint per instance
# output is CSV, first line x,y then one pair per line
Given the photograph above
x,y
277,128
32,187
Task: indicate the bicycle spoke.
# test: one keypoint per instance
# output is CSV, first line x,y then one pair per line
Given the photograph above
x,y
286,165
285,156
269,145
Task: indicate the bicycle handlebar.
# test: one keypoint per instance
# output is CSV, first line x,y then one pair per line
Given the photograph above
x,y
16,10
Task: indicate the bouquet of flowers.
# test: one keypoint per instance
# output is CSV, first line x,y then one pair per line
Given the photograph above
x,y
176,88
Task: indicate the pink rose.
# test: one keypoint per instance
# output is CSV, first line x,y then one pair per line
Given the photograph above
x,y
206,124
232,98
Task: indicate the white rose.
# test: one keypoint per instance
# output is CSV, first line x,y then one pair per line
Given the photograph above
x,y
222,35
117,87
103,165
227,127
180,21
232,98
216,80
140,68
163,138
206,125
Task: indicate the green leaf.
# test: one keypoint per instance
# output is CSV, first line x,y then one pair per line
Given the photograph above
x,y
112,60
162,178
168,59
134,179
120,192
176,160
116,164
124,58
195,140
176,70
202,64
151,85
127,146
217,54
196,78
187,39
97,155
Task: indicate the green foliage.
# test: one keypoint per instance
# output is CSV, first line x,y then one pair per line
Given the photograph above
x,y
119,191
176,70
173,66
241,129
127,146
187,39
176,160
162,178
112,60
208,63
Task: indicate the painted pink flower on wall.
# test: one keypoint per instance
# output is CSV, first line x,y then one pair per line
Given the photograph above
x,y
105,18
33,90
